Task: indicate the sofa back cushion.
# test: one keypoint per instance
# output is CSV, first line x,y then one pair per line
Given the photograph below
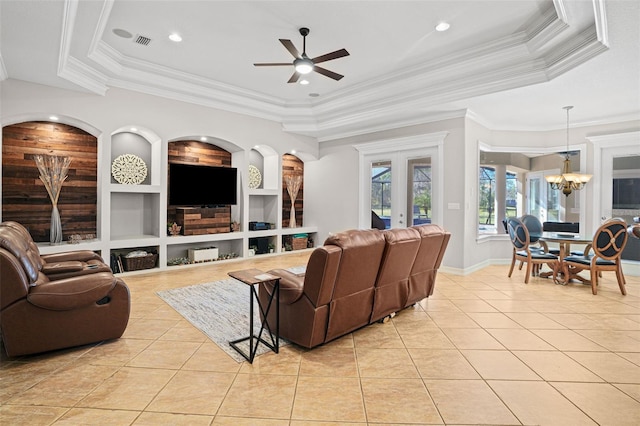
x,y
434,241
392,283
352,299
320,276
12,241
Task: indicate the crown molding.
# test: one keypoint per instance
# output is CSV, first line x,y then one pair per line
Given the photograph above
x,y
543,50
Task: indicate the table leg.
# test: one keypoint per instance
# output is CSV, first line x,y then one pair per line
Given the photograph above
x,y
254,340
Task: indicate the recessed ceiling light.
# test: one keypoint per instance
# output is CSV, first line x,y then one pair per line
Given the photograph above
x,y
442,26
175,37
134,129
203,139
293,151
53,118
304,82
122,33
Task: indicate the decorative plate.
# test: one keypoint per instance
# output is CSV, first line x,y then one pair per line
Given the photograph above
x,y
129,169
255,178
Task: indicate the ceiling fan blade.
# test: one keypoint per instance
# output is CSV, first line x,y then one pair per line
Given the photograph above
x,y
274,64
327,73
294,78
330,56
290,47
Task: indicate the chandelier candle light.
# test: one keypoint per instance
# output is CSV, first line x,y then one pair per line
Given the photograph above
x,y
53,172
568,181
293,183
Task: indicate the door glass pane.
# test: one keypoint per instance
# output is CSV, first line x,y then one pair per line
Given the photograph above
x,y
553,204
536,207
419,187
381,190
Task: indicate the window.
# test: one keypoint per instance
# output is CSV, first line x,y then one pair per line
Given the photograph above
x,y
487,202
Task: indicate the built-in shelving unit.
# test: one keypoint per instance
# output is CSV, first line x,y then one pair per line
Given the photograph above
x,y
135,217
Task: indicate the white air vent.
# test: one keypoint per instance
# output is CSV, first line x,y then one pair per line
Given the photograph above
x,y
140,39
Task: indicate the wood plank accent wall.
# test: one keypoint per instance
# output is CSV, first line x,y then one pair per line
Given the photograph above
x,y
292,165
196,152
24,197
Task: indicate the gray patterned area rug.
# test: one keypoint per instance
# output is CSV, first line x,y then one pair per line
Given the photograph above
x,y
221,311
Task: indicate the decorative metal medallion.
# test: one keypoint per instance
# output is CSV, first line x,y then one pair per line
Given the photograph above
x,y
129,169
255,178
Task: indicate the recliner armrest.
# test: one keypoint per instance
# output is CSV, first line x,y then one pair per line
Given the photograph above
x,y
60,267
72,293
79,255
291,285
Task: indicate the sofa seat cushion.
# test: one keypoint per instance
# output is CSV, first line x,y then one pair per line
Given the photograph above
x,y
72,293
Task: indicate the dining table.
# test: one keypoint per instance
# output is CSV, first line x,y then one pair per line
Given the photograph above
x,y
564,241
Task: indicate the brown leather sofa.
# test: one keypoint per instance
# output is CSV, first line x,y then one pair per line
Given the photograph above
x,y
38,314
59,265
356,278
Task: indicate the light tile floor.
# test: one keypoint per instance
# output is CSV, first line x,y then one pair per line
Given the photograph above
x,y
485,349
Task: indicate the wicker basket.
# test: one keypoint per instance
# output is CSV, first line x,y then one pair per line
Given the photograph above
x,y
298,243
140,262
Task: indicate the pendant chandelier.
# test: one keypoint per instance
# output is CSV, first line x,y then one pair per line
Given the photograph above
x,y
567,182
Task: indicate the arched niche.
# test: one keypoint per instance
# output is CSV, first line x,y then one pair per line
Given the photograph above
x,y
292,166
141,142
206,153
24,197
265,158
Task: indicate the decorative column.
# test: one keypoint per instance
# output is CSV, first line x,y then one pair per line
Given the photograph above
x,y
501,196
53,172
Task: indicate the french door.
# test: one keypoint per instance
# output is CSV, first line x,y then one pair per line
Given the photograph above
x,y
399,187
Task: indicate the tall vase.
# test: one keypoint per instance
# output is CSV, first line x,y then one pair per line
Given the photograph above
x,y
53,173
292,214
55,233
293,183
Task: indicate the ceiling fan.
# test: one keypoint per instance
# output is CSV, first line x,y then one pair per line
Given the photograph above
x,y
302,63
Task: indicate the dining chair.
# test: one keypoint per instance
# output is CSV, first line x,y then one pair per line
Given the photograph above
x,y
520,239
607,245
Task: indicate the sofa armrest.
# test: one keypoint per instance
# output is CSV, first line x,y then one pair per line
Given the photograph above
x,y
72,293
79,255
291,285
60,267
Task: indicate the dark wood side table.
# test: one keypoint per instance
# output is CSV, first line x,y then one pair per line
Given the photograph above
x,y
253,278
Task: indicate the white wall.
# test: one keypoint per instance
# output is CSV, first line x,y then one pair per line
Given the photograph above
x,y
22,101
331,182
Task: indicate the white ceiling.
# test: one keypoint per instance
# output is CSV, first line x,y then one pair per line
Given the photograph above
x,y
511,64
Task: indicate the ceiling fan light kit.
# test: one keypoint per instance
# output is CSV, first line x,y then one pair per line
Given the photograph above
x,y
302,64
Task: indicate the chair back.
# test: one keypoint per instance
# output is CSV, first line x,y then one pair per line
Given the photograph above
x,y
518,233
610,239
534,227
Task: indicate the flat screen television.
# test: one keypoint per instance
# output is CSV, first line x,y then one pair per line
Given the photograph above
x,y
191,185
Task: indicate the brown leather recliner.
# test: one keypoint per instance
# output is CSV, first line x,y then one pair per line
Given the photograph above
x,y
335,296
38,314
59,265
356,278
